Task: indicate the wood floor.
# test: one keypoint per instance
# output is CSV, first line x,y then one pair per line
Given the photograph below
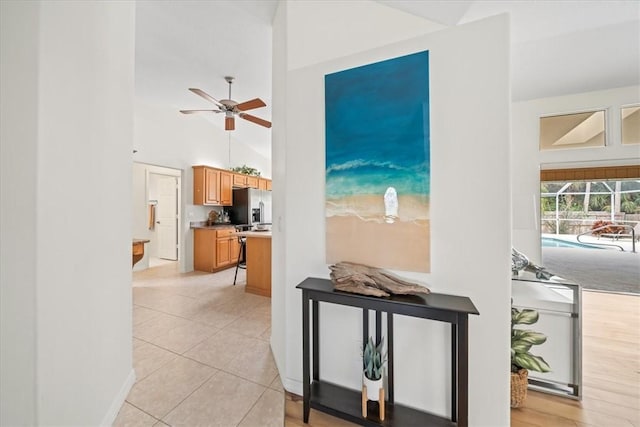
x,y
611,375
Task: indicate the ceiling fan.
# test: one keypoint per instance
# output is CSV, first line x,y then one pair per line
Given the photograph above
x,y
231,108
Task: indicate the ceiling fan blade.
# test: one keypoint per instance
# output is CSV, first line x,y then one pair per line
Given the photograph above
x,y
256,120
250,105
206,96
229,123
200,111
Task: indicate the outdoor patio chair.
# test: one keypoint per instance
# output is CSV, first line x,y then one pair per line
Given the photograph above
x,y
625,233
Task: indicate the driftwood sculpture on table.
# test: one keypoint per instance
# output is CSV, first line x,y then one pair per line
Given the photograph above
x,y
365,280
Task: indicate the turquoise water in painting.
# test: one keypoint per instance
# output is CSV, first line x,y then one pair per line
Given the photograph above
x,y
377,128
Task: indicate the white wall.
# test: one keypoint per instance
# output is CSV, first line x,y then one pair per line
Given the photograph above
x,y
279,183
164,137
18,211
73,213
469,84
527,160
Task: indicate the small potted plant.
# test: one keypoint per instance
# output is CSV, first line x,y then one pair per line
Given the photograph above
x,y
372,364
521,359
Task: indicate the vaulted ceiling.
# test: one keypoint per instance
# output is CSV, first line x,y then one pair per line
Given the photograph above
x,y
558,48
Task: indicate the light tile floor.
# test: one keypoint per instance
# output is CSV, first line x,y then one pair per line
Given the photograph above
x,y
201,352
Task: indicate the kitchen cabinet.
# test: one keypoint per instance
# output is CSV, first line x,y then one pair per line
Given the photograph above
x,y
268,185
226,247
206,186
258,262
246,181
239,180
262,183
226,188
214,248
212,186
252,181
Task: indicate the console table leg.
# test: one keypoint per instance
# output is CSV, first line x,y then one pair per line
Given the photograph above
x,y
463,371
306,387
454,372
390,378
315,327
365,327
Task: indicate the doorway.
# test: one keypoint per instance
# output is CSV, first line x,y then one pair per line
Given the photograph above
x,y
163,199
589,219
157,205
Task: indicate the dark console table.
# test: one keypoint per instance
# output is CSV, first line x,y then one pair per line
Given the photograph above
x,y
346,403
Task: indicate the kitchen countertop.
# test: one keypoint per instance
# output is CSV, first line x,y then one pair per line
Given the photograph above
x,y
203,224
261,234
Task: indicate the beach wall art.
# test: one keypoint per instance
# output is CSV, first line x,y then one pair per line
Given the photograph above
x,y
378,164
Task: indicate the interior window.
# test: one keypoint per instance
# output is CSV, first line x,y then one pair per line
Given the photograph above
x,y
576,130
630,119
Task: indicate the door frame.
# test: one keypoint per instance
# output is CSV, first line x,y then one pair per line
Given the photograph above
x,y
141,203
177,173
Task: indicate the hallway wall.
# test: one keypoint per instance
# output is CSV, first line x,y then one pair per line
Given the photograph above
x,y
470,107
67,133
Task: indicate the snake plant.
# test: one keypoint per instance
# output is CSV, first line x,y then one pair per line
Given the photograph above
x,y
373,360
523,339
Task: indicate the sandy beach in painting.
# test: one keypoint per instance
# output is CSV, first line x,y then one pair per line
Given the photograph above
x,y
357,232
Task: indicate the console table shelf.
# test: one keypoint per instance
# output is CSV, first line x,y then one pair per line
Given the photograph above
x,y
346,403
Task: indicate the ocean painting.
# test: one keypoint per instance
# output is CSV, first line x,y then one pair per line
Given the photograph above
x,y
377,164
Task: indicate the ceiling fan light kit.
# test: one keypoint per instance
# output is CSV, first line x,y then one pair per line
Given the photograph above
x,y
231,108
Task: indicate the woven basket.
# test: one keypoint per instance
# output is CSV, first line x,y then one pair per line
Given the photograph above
x,y
519,385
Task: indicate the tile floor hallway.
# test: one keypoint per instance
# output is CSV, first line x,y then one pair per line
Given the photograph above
x,y
201,353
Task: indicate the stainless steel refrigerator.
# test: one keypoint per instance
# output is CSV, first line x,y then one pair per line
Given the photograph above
x,y
250,206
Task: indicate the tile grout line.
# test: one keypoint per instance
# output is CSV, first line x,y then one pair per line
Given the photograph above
x,y
189,395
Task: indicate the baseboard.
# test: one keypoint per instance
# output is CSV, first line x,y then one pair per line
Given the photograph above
x,y
292,386
118,400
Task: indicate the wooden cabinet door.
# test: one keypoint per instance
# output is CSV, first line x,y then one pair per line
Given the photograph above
x,y
252,181
222,252
239,180
269,185
212,189
262,184
204,250
226,190
198,185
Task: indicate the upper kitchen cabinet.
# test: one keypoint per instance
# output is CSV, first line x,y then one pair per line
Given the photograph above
x,y
252,181
226,188
249,181
264,184
239,180
211,186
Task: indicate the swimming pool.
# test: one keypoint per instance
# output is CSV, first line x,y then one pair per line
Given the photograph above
x,y
550,242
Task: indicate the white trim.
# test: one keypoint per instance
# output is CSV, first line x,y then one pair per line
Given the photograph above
x,y
292,386
118,401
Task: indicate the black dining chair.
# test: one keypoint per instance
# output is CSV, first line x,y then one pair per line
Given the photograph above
x,y
242,253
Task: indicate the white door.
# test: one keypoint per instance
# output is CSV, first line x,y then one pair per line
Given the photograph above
x,y
167,217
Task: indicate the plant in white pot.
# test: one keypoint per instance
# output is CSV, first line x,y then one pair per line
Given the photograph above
x,y
372,389
521,359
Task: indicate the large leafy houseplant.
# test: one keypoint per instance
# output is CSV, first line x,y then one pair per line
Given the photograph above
x,y
523,339
521,359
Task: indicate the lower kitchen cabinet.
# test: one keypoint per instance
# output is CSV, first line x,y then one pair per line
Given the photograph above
x,y
215,248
